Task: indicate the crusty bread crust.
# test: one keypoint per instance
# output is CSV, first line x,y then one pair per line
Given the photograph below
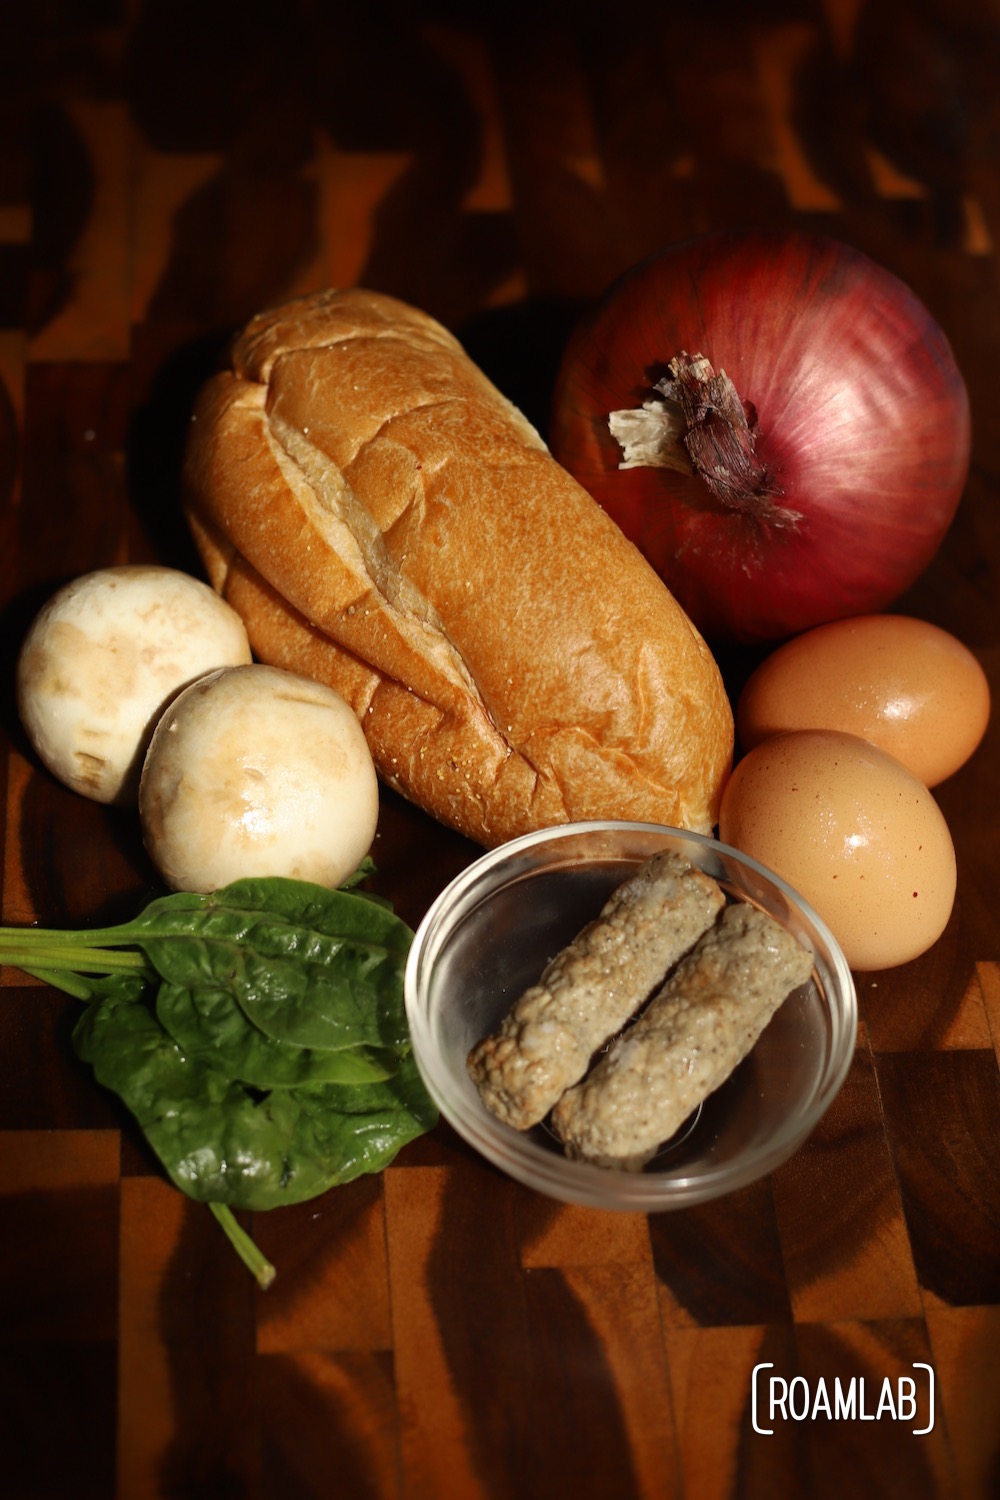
x,y
386,521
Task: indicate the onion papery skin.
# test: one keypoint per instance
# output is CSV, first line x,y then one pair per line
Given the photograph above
x,y
863,427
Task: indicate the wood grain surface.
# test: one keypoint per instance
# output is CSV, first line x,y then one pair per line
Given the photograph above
x,y
439,1331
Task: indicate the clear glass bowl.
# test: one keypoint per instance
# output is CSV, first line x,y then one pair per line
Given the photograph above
x,y
490,933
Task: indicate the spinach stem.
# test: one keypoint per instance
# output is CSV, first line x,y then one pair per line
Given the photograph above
x,y
69,983
27,951
254,1259
125,935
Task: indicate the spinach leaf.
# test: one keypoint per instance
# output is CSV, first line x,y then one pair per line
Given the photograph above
x,y
209,1025
308,965
258,1034
223,1142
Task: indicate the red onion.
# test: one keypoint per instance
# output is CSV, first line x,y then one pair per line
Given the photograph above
x,y
814,483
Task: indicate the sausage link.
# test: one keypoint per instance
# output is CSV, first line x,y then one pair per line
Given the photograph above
x,y
590,989
687,1041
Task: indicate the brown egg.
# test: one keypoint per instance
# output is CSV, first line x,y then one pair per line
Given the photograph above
x,y
907,686
854,832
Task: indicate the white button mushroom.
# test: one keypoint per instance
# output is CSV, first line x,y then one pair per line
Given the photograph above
x,y
104,657
256,771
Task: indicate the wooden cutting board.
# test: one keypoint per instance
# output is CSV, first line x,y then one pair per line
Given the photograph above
x,y
439,1331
